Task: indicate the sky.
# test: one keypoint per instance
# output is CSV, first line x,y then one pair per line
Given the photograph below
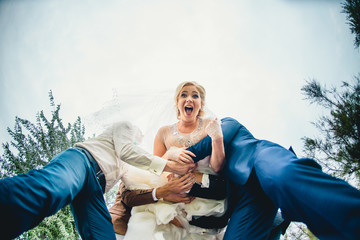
x,y
122,60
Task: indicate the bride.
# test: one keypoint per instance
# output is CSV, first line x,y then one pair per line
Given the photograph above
x,y
154,220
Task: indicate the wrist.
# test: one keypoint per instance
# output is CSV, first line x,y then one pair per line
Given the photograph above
x,y
169,166
161,193
165,156
198,177
218,139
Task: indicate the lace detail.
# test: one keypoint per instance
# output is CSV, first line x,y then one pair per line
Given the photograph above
x,y
187,139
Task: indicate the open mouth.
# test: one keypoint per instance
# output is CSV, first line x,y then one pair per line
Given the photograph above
x,y
188,110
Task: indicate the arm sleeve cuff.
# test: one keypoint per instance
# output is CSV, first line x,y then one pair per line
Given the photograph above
x,y
205,182
154,194
157,165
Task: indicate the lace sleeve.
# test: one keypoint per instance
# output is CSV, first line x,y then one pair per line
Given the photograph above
x,y
163,133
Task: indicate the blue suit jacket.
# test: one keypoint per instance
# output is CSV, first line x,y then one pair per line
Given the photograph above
x,y
235,137
240,146
242,150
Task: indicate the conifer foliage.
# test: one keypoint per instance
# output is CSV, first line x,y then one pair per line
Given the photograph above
x,y
352,10
338,146
33,145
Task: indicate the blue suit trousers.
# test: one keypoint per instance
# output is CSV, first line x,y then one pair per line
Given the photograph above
x,y
26,199
329,206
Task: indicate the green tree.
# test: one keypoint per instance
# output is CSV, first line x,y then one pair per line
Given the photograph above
x,y
338,147
33,146
352,9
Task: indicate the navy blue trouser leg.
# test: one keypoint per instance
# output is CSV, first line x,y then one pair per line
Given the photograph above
x,y
330,207
91,215
253,214
26,199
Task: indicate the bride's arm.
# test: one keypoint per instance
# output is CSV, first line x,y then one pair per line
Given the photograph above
x,y
213,129
217,158
176,154
172,166
159,147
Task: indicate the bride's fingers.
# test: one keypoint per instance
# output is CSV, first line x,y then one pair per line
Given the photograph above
x,y
186,157
181,160
189,153
185,160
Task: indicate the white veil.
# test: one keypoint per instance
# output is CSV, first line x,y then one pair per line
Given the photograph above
x,y
147,110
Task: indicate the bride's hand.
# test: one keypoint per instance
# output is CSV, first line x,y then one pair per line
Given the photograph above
x,y
180,155
213,129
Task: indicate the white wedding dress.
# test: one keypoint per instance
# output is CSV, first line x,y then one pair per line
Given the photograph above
x,y
152,221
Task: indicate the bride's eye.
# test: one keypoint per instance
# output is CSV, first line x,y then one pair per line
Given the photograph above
x,y
195,96
183,95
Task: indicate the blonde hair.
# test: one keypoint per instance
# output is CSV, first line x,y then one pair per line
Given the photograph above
x,y
202,93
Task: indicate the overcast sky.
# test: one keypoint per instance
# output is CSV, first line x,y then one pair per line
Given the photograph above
x,y
116,59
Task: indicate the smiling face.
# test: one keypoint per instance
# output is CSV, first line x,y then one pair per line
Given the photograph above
x,y
189,102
